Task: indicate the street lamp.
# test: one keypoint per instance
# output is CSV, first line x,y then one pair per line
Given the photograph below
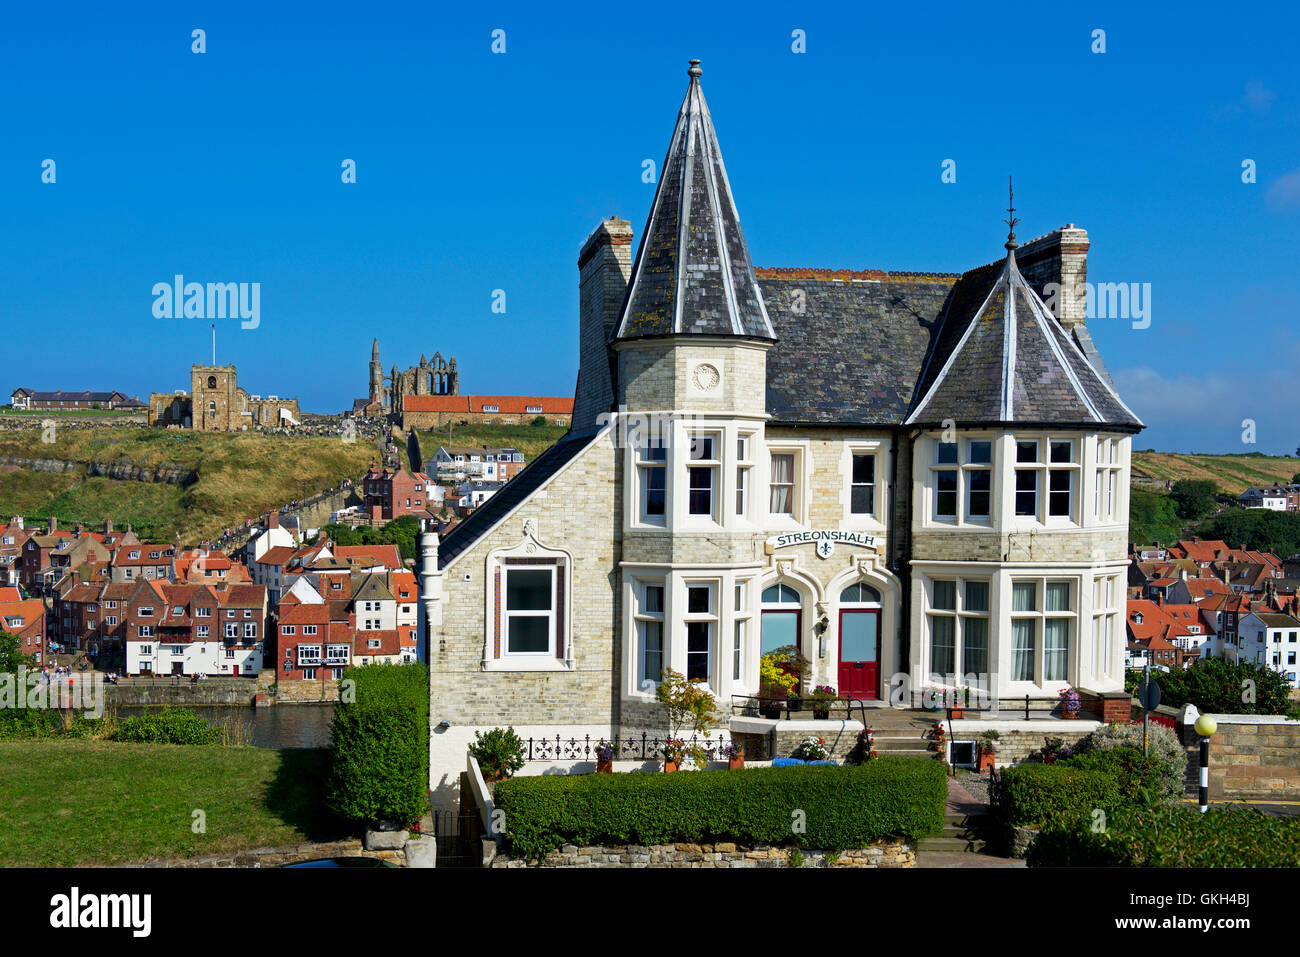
x,y
1205,726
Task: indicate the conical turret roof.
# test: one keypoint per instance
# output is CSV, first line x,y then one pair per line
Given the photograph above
x,y
693,274
1010,361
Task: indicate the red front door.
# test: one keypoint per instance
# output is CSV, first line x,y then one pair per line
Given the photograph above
x,y
860,653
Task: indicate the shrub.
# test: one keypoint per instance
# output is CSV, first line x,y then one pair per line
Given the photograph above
x,y
169,726
379,759
843,806
1173,837
499,753
1169,756
1053,794
1135,773
1217,686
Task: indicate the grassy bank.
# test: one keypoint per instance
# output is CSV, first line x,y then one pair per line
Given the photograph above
x,y
1233,474
532,440
71,803
240,476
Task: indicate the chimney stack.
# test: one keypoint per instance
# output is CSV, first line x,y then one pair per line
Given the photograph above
x,y
273,519
604,270
1056,265
53,525
108,526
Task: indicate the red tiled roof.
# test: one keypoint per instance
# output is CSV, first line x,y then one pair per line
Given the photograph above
x,y
506,404
279,555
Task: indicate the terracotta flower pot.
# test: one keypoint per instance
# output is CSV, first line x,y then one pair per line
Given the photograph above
x,y
984,762
671,766
1069,714
958,712
605,767
821,714
736,763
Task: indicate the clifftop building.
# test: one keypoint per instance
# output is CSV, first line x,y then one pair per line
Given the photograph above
x,y
216,403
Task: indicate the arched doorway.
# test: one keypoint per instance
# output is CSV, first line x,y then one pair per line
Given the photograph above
x,y
859,666
782,619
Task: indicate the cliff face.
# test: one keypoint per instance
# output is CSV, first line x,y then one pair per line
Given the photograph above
x,y
172,473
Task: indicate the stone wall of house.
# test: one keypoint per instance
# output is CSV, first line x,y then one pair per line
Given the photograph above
x,y
280,856
1046,545
883,853
1253,758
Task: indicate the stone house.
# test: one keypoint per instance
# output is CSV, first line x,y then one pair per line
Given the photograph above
x,y
916,479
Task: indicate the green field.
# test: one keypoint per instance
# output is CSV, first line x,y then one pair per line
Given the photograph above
x,y
75,803
1233,474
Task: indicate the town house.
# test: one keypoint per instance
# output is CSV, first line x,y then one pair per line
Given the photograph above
x,y
914,479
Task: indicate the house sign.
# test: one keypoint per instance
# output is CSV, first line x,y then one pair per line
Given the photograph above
x,y
824,538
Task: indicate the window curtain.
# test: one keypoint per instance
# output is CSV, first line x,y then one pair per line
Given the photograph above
x,y
782,484
942,645
1057,647
1022,649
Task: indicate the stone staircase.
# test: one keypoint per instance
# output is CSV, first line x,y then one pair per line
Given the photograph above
x,y
902,733
965,826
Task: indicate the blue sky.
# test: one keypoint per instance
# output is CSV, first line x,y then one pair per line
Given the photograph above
x,y
479,171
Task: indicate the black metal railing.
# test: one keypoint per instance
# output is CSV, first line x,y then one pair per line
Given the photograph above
x,y
782,708
633,747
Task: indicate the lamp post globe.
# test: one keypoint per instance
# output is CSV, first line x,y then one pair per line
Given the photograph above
x,y
1205,726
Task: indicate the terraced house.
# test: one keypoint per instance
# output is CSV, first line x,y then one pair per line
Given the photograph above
x,y
914,478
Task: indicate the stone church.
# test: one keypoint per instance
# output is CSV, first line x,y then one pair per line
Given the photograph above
x,y
217,403
914,478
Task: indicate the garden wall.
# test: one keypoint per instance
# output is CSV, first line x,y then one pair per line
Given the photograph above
x,y
1252,757
279,856
1019,739
884,853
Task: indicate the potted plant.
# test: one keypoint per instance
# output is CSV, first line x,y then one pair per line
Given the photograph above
x,y
934,698
1069,703
674,749
961,698
775,683
1052,749
812,748
984,751
690,705
821,697
604,757
499,753
735,752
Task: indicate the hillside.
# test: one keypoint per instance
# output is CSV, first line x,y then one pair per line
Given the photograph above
x,y
1232,473
239,476
532,440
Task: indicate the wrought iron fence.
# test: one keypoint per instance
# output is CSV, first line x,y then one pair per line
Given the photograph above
x,y
632,747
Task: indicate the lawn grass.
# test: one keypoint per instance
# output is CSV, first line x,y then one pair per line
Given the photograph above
x,y
80,803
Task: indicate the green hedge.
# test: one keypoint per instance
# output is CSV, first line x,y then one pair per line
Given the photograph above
x,y
842,807
1173,837
1050,794
379,759
1134,773
169,726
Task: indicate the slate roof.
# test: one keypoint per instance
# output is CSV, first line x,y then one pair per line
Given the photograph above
x,y
692,272
850,345
496,508
1002,357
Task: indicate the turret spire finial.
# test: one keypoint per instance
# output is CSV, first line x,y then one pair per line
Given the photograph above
x,y
695,70
1011,216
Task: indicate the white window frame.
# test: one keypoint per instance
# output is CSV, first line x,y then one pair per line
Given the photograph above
x,y
711,466
646,465
710,618
507,614
960,615
1040,615
1044,469
642,618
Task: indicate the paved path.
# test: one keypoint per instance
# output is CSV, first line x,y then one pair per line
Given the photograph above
x,y
961,802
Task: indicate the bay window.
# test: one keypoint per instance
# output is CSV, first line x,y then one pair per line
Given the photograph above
x,y
649,617
701,624
651,475
1046,477
702,475
743,465
959,627
1043,608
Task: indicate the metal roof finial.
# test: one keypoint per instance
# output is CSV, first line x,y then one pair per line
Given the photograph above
x,y
1011,220
695,70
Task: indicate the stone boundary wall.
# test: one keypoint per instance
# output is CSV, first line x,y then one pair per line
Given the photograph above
x,y
1016,745
279,856
1252,760
209,691
304,691
883,853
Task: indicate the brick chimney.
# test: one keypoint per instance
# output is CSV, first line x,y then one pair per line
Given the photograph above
x,y
604,269
272,519
108,526
53,526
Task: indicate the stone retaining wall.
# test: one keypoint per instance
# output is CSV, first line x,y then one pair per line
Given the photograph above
x,y
885,853
279,856
1253,760
306,691
236,692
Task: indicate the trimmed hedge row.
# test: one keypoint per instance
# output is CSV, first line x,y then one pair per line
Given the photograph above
x,y
843,807
379,759
1054,794
1173,837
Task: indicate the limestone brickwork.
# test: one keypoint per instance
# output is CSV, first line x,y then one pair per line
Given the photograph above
x,y
882,853
1253,759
